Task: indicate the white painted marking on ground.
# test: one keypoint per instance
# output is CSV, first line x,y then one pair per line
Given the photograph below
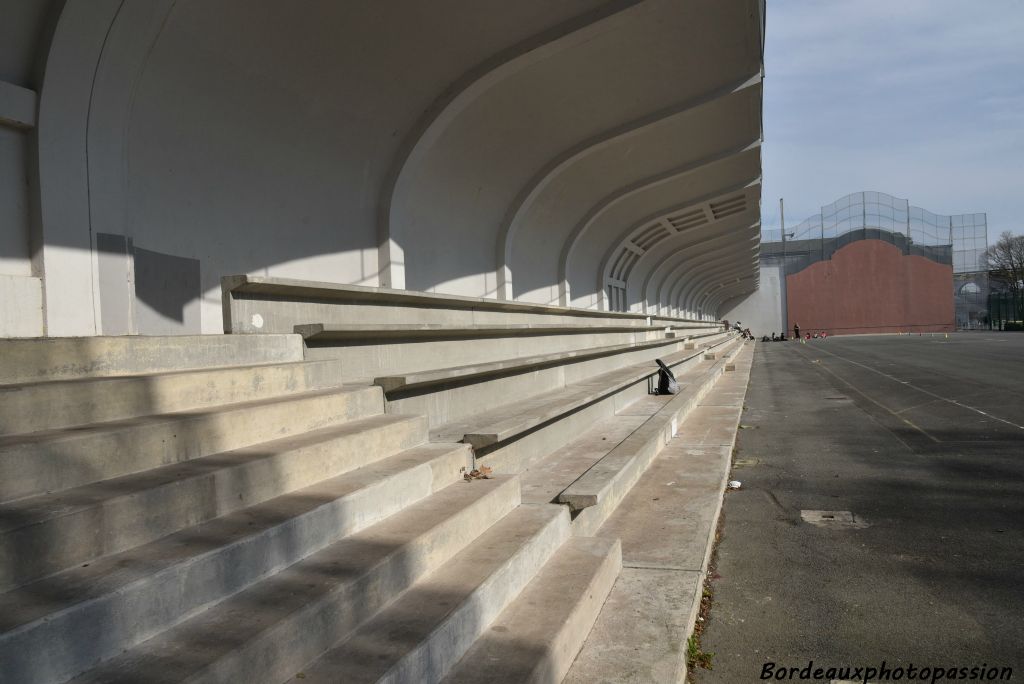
x,y
924,391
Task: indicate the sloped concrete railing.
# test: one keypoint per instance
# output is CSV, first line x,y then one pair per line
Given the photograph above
x,y
254,304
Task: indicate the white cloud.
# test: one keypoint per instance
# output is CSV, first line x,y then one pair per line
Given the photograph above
x,y
920,98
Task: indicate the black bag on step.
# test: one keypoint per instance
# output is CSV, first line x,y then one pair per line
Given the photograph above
x,y
666,380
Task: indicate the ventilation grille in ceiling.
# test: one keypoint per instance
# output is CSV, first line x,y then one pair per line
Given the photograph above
x,y
689,219
728,207
649,235
623,264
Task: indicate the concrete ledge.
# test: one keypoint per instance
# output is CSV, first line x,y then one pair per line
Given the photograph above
x,y
641,634
48,533
17,106
323,578
61,459
336,332
59,404
254,304
506,422
608,481
441,616
525,364
638,636
537,637
66,358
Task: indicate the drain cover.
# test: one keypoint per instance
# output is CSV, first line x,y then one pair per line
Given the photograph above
x,y
833,519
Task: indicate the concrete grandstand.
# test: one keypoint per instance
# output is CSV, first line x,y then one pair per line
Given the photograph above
x,y
330,331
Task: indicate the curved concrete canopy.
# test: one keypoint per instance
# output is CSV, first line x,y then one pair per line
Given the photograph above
x,y
564,195
694,296
471,147
645,60
583,253
664,267
716,267
719,266
695,222
729,293
686,269
677,265
641,297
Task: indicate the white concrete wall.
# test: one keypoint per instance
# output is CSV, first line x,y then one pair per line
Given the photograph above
x,y
450,146
761,311
23,26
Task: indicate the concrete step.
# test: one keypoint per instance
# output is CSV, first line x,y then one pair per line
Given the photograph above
x,y
667,526
61,459
66,358
44,534
455,393
336,332
511,438
536,639
267,632
92,612
549,476
474,372
502,423
596,493
426,630
280,304
65,403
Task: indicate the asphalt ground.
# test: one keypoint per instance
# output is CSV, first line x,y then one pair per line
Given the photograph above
x,y
921,439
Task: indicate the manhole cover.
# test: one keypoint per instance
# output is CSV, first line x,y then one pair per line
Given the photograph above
x,y
833,519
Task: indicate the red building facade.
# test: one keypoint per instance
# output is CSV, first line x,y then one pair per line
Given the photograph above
x,y
871,286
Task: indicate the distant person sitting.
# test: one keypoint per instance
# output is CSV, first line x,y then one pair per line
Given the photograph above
x,y
774,338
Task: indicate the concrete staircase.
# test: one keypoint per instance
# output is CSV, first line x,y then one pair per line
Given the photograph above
x,y
245,514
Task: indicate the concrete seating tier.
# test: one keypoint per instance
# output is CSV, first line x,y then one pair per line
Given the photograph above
x,y
597,492
254,304
74,358
666,524
392,384
513,434
376,332
301,530
320,332
598,466
54,404
264,519
447,395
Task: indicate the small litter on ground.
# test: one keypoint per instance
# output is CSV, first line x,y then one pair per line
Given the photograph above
x,y
483,473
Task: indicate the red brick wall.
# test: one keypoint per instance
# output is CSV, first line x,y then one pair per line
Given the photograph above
x,y
869,286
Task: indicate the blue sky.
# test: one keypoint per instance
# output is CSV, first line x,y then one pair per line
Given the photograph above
x,y
923,99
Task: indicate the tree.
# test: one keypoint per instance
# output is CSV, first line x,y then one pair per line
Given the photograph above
x,y
1005,261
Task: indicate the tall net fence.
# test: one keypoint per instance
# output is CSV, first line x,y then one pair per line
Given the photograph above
x,y
958,240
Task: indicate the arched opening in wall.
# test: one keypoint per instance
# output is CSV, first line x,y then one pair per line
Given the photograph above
x,y
969,289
